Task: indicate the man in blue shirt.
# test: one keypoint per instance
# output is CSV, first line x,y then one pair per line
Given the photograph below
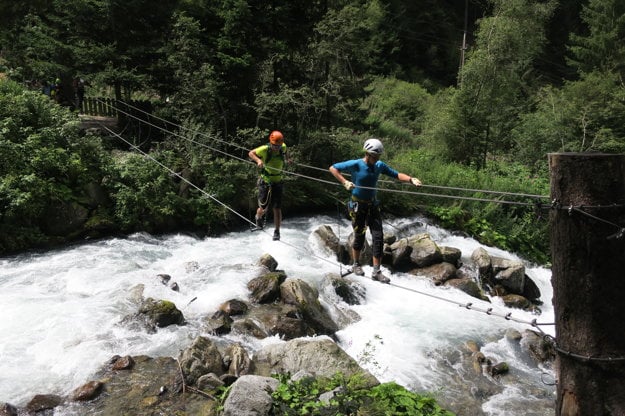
x,y
363,206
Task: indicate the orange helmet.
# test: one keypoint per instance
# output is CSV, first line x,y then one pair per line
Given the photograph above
x,y
276,137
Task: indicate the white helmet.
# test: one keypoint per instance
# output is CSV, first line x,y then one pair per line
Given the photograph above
x,y
373,146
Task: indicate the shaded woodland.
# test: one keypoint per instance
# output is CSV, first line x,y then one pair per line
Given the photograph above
x,y
471,94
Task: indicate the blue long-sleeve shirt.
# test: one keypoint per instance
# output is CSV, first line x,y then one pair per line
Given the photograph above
x,y
365,175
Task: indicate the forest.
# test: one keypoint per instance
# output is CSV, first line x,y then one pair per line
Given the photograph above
x,y
469,96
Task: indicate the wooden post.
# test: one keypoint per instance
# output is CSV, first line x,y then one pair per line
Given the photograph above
x,y
588,278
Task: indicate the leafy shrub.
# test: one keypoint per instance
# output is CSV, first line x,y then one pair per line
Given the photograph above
x,y
44,161
350,397
512,227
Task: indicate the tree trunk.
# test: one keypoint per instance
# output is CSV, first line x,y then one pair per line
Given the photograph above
x,y
588,283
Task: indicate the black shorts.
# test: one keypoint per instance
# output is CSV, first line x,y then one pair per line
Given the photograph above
x,y
269,194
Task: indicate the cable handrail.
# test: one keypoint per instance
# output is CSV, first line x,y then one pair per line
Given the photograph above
x,y
334,183
468,306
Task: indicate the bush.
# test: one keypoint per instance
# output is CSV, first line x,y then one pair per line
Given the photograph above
x,y
44,162
350,397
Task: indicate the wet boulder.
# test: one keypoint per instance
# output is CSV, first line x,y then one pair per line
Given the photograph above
x,y
161,313
400,254
87,391
326,235
451,255
351,291
306,299
219,323
268,262
249,327
482,260
539,348
202,357
233,307
122,363
425,251
278,319
531,290
318,356
512,278
153,386
237,360
266,288
439,273
250,395
468,286
516,301
43,402
7,409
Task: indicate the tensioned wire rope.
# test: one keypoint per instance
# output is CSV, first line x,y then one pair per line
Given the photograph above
x,y
490,200
469,305
202,191
537,205
489,311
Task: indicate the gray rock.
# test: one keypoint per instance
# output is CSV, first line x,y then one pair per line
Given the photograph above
x,y
161,313
306,299
482,260
201,358
266,288
512,278
267,261
237,360
7,409
425,251
87,391
234,307
439,273
400,254
330,241
451,255
41,402
250,395
468,286
319,356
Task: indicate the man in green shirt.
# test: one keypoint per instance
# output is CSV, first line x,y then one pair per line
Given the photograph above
x,y
271,159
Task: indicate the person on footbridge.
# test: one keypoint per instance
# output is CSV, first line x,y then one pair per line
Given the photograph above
x,y
363,206
271,158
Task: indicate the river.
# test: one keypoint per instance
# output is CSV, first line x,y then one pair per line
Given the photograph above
x,y
61,311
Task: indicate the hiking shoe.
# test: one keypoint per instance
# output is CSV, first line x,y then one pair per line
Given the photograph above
x,y
379,277
260,224
357,270
276,235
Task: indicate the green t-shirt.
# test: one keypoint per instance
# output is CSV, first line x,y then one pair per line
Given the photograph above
x,y
274,162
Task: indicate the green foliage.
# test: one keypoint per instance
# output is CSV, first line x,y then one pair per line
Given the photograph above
x,y
186,76
144,194
351,37
148,196
395,108
393,399
327,74
44,161
349,397
222,395
601,48
494,81
583,115
508,226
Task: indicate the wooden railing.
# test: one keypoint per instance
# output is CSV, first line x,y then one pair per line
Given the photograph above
x,y
107,107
